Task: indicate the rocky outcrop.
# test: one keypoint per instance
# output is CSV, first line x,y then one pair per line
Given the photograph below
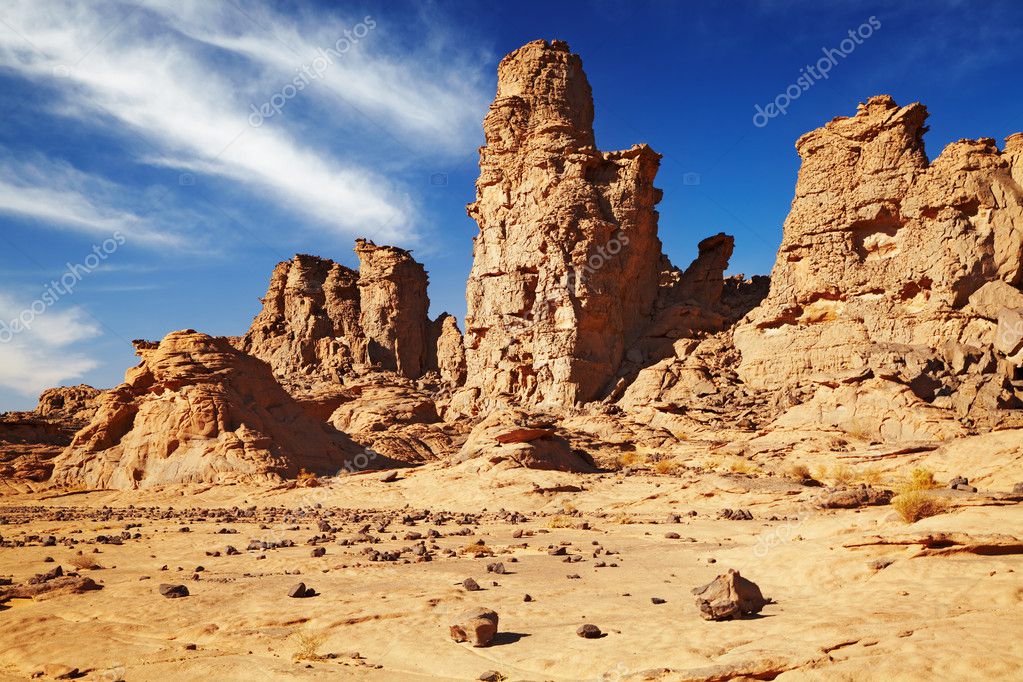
x,y
393,417
448,350
518,439
394,307
883,247
567,261
323,323
30,440
309,328
197,410
729,596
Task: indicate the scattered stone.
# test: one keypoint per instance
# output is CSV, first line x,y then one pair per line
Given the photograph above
x,y
588,631
59,671
173,591
300,591
470,585
476,626
729,596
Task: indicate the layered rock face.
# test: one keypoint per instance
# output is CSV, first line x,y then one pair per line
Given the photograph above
x,y
567,261
322,322
394,308
882,252
309,328
30,440
197,410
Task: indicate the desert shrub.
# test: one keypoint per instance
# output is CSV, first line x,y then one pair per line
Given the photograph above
x,y
308,645
869,475
631,459
839,474
560,521
919,479
622,519
798,472
914,505
307,479
477,550
738,465
666,466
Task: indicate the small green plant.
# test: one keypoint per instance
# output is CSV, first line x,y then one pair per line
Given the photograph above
x,y
914,505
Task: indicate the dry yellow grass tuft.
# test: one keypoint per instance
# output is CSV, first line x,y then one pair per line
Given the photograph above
x,y
870,475
560,521
477,550
308,645
798,472
914,505
307,479
631,459
738,465
666,466
919,479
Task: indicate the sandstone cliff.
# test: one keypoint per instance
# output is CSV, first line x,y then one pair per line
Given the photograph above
x,y
882,254
567,267
324,323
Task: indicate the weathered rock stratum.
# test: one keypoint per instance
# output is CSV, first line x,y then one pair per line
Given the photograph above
x,y
882,255
197,410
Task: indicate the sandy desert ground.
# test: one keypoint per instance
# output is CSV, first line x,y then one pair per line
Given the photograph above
x,y
948,609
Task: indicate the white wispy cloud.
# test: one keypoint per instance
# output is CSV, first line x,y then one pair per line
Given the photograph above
x,y
183,77
60,196
42,354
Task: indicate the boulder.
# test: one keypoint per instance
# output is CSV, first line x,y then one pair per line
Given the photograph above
x,y
514,438
729,596
476,626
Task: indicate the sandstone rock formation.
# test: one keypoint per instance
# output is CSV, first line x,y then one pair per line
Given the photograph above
x,y
392,295
309,328
393,417
567,261
515,438
322,322
729,596
30,440
196,410
882,247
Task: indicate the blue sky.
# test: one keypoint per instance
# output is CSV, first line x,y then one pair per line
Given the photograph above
x,y
132,146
